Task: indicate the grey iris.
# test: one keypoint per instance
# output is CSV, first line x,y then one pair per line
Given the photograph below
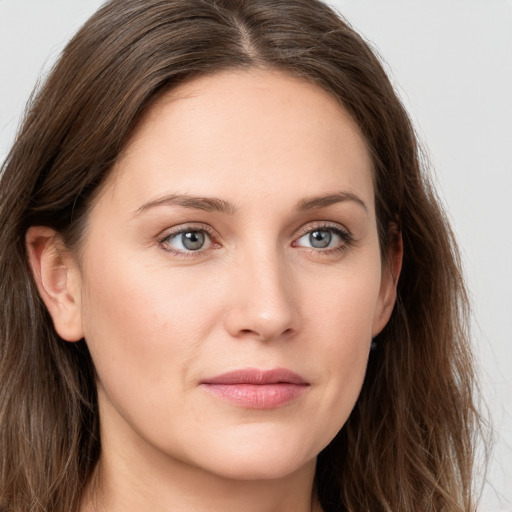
x,y
320,239
192,240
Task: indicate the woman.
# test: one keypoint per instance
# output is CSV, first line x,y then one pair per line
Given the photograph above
x,y
227,283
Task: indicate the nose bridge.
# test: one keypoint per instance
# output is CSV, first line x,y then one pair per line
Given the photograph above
x,y
264,303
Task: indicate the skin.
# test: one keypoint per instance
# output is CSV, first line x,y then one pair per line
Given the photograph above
x,y
159,319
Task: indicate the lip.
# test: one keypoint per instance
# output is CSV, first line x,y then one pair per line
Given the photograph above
x,y
252,388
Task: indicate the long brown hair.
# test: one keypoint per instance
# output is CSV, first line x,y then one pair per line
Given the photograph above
x,y
408,444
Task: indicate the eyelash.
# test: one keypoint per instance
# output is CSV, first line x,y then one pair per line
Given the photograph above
x,y
345,236
163,241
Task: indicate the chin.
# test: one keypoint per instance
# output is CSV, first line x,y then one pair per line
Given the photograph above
x,y
270,468
265,457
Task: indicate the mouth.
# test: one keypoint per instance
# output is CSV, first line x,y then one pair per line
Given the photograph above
x,y
251,388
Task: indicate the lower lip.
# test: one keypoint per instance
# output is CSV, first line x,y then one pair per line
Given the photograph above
x,y
257,396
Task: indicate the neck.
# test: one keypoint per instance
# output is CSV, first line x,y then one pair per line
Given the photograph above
x,y
185,489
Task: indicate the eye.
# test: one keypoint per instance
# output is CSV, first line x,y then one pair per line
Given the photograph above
x,y
187,240
324,238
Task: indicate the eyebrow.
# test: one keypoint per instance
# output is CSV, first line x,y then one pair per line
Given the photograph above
x,y
311,203
213,204
207,204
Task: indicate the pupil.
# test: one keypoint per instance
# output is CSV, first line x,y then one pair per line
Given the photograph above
x,y
320,239
193,240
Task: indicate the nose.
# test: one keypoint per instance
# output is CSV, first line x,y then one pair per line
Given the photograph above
x,y
263,303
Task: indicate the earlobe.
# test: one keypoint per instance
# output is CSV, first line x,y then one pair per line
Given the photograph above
x,y
57,279
389,281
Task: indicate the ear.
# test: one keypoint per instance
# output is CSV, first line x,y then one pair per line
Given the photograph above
x,y
58,280
389,281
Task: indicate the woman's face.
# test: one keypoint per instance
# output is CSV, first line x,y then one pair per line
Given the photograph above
x,y
230,278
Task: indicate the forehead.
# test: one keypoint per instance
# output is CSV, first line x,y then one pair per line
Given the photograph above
x,y
256,132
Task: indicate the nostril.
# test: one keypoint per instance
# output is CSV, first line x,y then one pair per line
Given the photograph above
x,y
266,336
256,333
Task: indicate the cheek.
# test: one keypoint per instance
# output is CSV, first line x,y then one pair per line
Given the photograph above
x,y
339,326
143,328
342,303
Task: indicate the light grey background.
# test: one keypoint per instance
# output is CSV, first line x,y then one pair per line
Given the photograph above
x,y
451,61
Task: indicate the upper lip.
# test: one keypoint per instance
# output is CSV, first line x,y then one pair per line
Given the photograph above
x,y
257,376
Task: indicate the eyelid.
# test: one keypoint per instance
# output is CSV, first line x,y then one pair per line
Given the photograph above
x,y
337,229
327,225
185,228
